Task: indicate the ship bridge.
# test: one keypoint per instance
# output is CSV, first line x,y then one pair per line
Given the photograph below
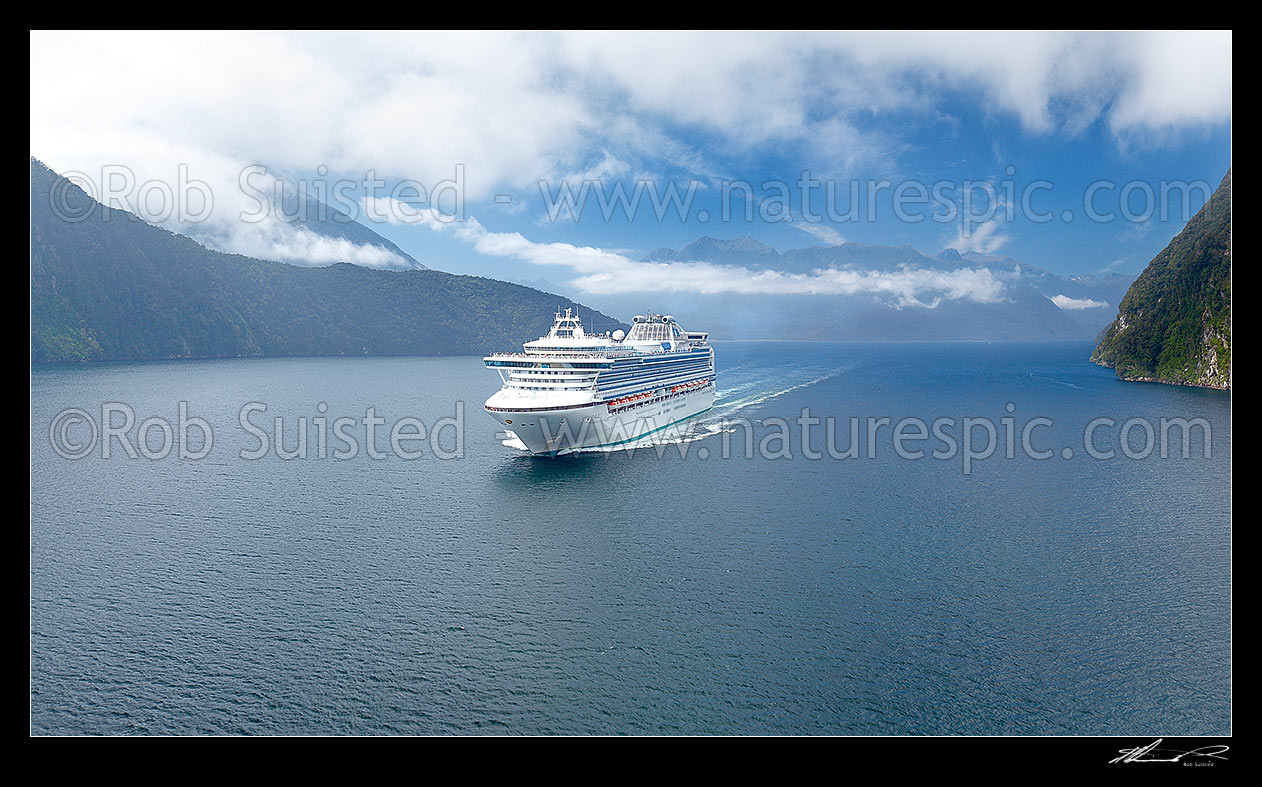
x,y
567,336
567,326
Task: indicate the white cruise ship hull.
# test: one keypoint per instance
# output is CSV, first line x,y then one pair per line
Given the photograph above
x,y
598,426
573,391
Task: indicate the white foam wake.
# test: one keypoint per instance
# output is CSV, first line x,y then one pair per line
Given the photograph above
x,y
513,441
719,420
729,407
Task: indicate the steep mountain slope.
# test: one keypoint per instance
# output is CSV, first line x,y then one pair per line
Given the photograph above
x,y
1174,324
301,211
106,285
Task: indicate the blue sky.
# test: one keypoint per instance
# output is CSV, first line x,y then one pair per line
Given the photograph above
x,y
693,110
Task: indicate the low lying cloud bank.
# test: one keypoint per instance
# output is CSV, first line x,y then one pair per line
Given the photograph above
x,y
282,242
603,272
1077,304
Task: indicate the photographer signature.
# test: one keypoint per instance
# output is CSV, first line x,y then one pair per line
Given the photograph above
x,y
1151,753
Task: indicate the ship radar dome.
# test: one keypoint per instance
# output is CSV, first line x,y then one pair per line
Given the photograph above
x,y
619,335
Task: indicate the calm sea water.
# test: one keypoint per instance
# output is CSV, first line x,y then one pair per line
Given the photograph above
x,y
634,593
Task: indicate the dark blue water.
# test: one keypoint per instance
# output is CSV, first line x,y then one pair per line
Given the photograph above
x,y
635,593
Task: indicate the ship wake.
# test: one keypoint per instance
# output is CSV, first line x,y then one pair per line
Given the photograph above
x,y
725,417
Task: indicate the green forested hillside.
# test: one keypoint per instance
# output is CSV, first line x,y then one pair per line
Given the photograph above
x,y
1174,325
109,286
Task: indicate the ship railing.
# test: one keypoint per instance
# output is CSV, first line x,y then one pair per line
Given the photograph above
x,y
550,354
563,354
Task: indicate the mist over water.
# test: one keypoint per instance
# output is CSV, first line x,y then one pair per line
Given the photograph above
x,y
635,591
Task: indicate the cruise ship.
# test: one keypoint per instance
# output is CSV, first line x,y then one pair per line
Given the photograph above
x,y
573,390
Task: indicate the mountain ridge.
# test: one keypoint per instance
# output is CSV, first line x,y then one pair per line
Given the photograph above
x,y
1065,307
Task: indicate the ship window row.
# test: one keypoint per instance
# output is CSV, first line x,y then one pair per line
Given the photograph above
x,y
580,349
659,367
538,386
549,388
650,380
615,390
635,379
559,379
654,370
660,359
662,364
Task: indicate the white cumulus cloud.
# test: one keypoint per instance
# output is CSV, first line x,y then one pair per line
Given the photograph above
x,y
1077,304
516,108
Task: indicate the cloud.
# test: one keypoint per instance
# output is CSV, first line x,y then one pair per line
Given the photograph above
x,y
609,166
604,272
1115,264
282,242
1173,79
1051,81
393,211
824,233
1136,231
1077,304
517,108
985,238
415,104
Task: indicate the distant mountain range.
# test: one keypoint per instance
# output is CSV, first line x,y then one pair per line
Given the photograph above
x,y
1174,324
109,286
1036,303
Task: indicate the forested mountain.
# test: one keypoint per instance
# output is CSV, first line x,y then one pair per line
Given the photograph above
x,y
1174,325
105,285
